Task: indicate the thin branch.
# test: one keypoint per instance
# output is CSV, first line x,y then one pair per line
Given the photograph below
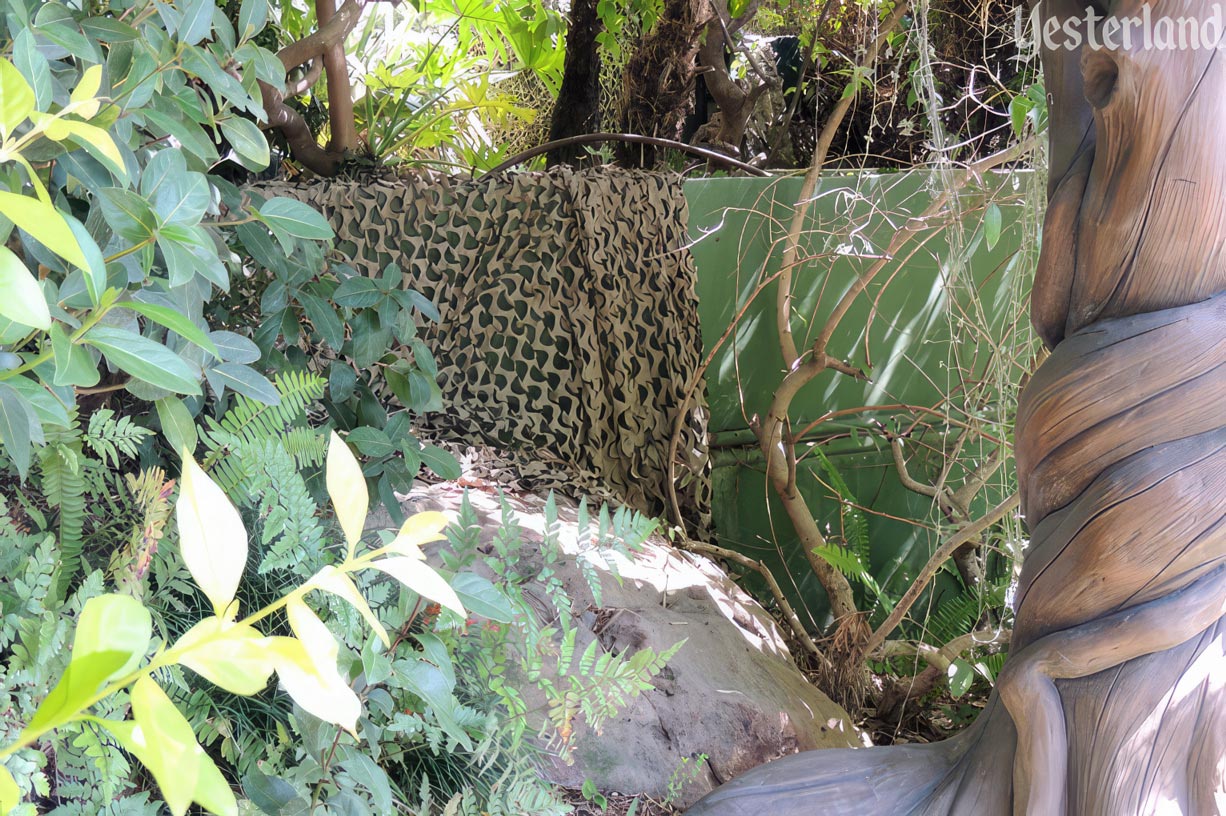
x,y
783,307
968,533
633,138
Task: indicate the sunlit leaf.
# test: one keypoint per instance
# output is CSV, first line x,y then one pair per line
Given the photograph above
x,y
307,667
330,579
16,97
211,536
422,579
233,656
112,635
44,223
347,489
419,529
21,298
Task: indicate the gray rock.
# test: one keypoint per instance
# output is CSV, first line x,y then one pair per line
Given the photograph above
x,y
732,692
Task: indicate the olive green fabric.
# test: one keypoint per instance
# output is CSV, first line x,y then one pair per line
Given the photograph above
x,y
569,322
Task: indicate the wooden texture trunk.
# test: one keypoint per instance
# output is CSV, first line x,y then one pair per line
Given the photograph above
x,y
1113,700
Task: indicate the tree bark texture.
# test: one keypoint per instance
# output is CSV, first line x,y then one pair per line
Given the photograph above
x,y
1113,699
577,110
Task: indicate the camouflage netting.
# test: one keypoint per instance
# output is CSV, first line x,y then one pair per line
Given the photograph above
x,y
569,321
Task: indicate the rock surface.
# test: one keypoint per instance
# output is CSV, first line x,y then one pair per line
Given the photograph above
x,y
731,692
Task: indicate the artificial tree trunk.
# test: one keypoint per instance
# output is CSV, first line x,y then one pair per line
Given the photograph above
x,y
1113,699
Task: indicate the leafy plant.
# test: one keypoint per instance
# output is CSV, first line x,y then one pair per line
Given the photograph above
x,y
111,648
109,125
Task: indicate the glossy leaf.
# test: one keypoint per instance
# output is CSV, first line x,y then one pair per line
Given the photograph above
x,y
73,363
174,320
294,217
144,359
212,537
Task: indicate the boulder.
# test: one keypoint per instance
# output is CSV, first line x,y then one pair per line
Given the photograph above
x,y
732,692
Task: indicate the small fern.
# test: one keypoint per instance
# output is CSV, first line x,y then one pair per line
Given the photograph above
x,y
248,424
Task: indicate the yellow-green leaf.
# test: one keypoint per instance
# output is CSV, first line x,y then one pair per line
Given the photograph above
x,y
231,655
10,794
211,536
44,223
112,634
347,488
422,579
16,97
21,298
330,579
162,739
418,529
83,96
98,142
306,665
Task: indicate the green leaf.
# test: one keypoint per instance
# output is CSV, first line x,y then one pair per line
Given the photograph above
x,y
73,363
33,66
357,292
369,775
178,195
372,442
234,348
269,793
95,266
480,597
177,424
197,20
16,97
44,223
991,225
248,142
128,214
212,538
441,462
430,684
144,359
294,217
960,676
243,379
252,15
174,320
16,417
21,298
114,624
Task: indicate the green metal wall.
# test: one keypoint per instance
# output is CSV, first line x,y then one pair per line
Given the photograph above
x,y
737,226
